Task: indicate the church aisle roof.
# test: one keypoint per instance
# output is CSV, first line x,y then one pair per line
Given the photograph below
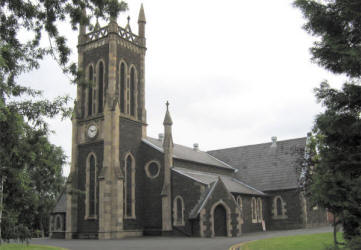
x,y
188,154
264,167
232,184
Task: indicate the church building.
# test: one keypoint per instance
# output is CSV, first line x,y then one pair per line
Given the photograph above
x,y
123,183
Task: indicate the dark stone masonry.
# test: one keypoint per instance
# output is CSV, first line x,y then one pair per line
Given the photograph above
x,y
123,183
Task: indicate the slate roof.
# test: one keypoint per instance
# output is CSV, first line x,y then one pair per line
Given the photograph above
x,y
264,167
60,204
188,154
232,184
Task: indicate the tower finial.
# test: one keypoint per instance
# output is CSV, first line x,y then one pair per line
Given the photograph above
x,y
167,119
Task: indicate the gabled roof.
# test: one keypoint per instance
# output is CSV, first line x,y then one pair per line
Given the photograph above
x,y
202,201
232,184
264,167
60,204
188,154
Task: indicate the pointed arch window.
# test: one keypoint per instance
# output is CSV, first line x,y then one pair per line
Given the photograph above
x,y
178,211
122,81
279,208
90,91
259,208
239,202
100,86
254,209
132,90
58,223
129,187
90,201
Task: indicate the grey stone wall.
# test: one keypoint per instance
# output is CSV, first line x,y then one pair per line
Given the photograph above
x,y
248,226
294,210
151,213
190,191
130,139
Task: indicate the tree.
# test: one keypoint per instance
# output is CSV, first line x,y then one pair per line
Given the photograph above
x,y
23,136
333,173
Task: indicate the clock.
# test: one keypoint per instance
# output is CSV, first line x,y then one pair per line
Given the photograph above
x,y
92,131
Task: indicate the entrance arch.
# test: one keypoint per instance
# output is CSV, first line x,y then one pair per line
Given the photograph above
x,y
220,221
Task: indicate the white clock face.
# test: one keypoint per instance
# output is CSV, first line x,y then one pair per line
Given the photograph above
x,y
92,131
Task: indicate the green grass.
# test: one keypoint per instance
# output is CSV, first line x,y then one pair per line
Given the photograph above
x,y
299,242
28,247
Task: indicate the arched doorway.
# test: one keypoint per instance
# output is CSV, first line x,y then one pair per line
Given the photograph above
x,y
220,221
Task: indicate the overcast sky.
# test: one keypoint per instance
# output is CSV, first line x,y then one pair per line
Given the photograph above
x,y
235,72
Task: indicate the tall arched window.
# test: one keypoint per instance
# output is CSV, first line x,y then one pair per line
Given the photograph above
x,y
239,202
122,86
92,186
279,206
129,187
132,91
254,209
58,223
91,173
100,87
90,91
178,211
260,212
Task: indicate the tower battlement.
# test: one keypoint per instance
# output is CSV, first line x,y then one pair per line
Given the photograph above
x,y
123,33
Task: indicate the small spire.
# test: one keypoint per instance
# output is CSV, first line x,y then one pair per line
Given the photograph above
x,y
141,17
167,118
97,25
127,27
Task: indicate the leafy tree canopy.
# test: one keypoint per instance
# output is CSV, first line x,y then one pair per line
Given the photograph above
x,y
337,24
333,165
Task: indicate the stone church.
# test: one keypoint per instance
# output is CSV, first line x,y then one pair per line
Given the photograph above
x,y
123,183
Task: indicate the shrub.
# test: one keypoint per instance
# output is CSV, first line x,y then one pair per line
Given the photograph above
x,y
355,243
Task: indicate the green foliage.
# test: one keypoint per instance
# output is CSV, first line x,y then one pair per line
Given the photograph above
x,y
337,24
333,167
354,243
333,173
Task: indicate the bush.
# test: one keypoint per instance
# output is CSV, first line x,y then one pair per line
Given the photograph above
x,y
355,243
23,233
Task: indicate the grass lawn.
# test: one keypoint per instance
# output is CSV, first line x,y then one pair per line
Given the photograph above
x,y
298,242
28,247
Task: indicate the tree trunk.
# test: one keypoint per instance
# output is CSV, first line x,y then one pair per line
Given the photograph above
x,y
334,230
2,179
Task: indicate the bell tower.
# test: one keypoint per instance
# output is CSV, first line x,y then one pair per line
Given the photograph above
x,y
109,122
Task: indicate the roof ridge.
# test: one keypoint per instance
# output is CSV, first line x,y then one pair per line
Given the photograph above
x,y
257,144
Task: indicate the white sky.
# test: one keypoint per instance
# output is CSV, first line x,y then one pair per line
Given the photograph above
x,y
235,72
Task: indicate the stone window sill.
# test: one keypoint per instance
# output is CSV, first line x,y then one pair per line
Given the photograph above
x,y
93,217
280,217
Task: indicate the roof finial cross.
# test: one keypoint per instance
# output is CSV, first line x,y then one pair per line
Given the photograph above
x,y
167,104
